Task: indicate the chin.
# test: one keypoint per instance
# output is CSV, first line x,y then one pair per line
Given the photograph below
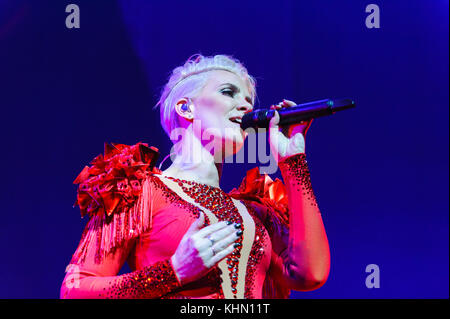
x,y
232,144
228,141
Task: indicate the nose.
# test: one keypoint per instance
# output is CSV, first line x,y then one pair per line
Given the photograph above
x,y
245,107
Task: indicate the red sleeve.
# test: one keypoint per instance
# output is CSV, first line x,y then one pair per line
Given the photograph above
x,y
91,280
301,257
106,244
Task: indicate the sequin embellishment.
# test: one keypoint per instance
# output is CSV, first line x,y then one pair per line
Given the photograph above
x,y
221,205
296,167
256,254
151,281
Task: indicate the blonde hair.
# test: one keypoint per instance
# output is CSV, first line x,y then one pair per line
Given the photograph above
x,y
188,80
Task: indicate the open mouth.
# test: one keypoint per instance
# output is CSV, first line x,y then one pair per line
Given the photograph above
x,y
236,119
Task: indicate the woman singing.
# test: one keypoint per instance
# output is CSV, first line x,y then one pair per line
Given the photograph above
x,y
182,236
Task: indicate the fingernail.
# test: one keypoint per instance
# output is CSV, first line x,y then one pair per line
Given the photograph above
x,y
236,245
239,233
229,222
237,226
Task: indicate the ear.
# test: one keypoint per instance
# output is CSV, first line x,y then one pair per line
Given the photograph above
x,y
185,113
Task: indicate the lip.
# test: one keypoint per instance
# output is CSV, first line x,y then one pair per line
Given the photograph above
x,y
236,119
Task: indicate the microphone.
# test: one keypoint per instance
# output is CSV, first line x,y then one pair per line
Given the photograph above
x,y
295,114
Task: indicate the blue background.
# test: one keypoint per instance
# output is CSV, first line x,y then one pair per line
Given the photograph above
x,y
380,171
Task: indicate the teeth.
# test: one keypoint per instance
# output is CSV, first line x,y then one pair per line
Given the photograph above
x,y
235,120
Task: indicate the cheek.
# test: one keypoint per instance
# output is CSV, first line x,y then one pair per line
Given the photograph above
x,y
212,113
214,105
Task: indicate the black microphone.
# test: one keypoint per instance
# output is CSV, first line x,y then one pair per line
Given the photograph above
x,y
295,114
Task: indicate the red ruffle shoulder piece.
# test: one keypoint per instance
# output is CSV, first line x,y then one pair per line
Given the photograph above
x,y
114,192
262,189
114,180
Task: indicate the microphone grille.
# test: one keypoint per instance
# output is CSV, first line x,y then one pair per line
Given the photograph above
x,y
257,119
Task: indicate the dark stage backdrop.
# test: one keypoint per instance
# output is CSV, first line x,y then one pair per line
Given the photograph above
x,y
380,171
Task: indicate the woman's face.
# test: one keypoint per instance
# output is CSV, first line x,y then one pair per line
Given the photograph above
x,y
219,107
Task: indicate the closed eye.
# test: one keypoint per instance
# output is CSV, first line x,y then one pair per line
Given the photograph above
x,y
231,90
228,92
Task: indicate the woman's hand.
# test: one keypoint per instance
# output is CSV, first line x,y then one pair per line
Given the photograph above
x,y
202,248
289,140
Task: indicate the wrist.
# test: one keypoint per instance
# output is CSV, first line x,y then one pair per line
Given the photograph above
x,y
151,281
295,172
288,156
295,167
294,162
174,264
295,146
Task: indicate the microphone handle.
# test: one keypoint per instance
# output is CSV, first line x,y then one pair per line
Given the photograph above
x,y
305,112
296,114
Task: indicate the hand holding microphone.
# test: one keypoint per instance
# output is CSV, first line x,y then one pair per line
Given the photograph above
x,y
295,113
288,140
289,122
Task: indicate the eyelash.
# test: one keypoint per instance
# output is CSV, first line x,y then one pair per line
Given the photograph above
x,y
229,92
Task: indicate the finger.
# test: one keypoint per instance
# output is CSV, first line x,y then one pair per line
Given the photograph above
x,y
206,231
288,103
228,240
197,224
220,234
296,144
276,107
301,127
308,125
221,255
274,120
274,133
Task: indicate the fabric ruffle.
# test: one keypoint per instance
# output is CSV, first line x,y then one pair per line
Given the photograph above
x,y
114,193
264,190
114,181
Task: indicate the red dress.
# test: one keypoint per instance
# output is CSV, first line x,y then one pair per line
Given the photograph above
x,y
139,216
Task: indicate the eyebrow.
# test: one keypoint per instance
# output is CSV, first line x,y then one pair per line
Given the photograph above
x,y
237,89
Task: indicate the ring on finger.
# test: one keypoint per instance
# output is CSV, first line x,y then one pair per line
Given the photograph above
x,y
211,240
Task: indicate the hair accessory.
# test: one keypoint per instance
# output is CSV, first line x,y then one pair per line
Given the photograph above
x,y
184,77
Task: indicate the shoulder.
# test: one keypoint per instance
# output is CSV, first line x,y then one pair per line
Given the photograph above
x,y
115,192
115,179
262,191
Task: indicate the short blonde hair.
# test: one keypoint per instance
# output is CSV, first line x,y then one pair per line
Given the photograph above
x,y
188,80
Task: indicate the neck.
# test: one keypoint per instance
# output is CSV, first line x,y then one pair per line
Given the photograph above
x,y
193,162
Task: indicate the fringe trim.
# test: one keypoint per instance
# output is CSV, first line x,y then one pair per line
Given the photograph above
x,y
107,233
